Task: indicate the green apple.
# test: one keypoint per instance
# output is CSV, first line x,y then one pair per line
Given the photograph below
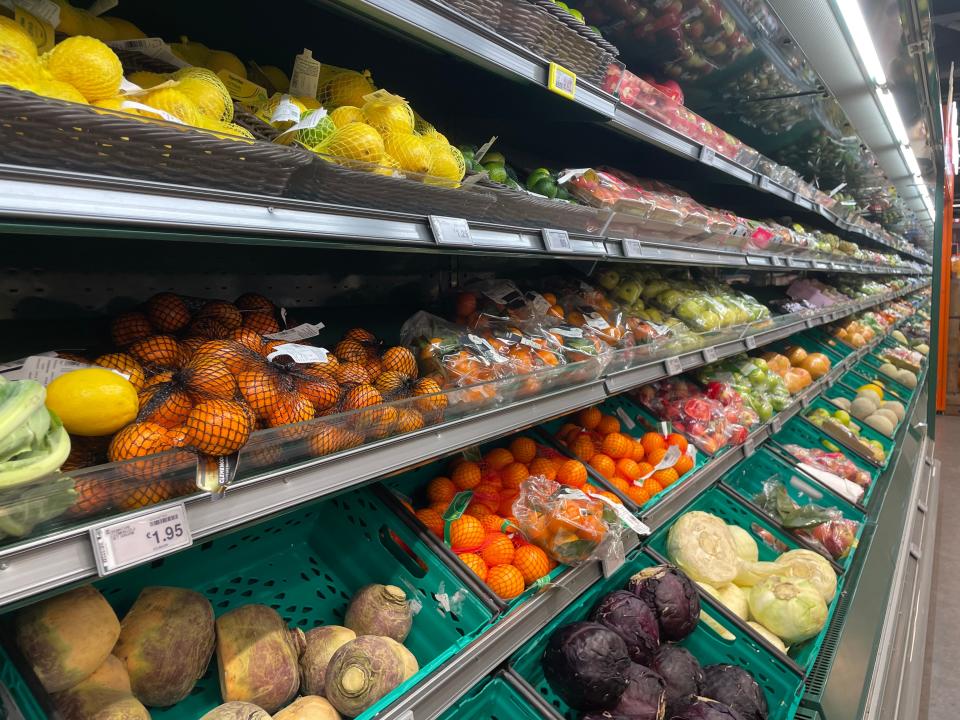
x,y
609,279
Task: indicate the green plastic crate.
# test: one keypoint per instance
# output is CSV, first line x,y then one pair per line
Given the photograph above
x,y
493,699
839,390
725,505
17,691
798,431
747,479
782,685
306,565
864,373
865,431
808,342
825,339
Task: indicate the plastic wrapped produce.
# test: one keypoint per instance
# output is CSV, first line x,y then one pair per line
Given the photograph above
x,y
762,388
833,464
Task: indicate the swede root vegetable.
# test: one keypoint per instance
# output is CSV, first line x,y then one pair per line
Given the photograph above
x,y
309,707
380,610
360,673
410,665
321,644
237,711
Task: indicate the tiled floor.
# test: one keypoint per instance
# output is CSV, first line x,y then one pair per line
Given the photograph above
x,y
941,692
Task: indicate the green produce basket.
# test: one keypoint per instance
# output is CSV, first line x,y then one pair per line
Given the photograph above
x,y
782,684
410,487
865,432
307,565
840,390
728,507
810,343
15,692
864,373
798,431
493,699
747,479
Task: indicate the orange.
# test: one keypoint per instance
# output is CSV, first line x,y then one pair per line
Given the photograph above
x,y
604,465
498,458
566,428
477,509
608,424
617,445
441,489
588,488
514,474
628,468
439,507
666,477
573,473
532,562
506,502
610,496
545,467
466,475
684,464
652,441
432,519
492,523
583,448
486,494
589,417
652,486
497,549
505,580
655,456
645,469
679,440
620,483
638,495
524,449
466,534
475,563
638,451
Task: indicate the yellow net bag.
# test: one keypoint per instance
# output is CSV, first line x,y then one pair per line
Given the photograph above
x,y
411,151
207,91
446,162
346,87
356,141
281,111
388,113
346,114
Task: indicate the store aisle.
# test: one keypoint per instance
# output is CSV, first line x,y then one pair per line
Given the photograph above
x,y
941,694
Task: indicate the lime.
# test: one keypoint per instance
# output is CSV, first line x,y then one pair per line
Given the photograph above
x,y
560,4
536,176
497,174
494,157
842,416
468,153
546,187
577,15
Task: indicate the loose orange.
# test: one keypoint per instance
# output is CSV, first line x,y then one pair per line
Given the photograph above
x,y
608,424
638,494
652,441
432,519
475,563
498,458
441,489
589,417
573,473
583,448
505,580
666,477
514,474
638,451
604,464
466,534
684,464
544,467
524,449
679,440
466,475
497,549
628,468
617,445
532,562
655,456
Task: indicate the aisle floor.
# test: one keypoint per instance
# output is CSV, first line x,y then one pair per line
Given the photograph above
x,y
941,692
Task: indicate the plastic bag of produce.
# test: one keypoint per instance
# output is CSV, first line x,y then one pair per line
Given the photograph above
x,y
570,526
833,462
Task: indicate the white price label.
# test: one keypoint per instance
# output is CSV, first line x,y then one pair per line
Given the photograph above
x,y
748,447
44,368
451,231
155,47
122,544
572,332
707,155
305,76
751,342
625,418
674,366
709,354
625,516
300,353
286,111
632,248
300,332
556,240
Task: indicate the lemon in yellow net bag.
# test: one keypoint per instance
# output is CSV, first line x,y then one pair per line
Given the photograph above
x,y
388,113
356,141
146,79
411,151
446,161
388,166
19,65
207,91
346,114
61,91
175,103
88,64
347,87
282,111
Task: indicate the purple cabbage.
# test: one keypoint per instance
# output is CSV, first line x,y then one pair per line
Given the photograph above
x,y
586,665
682,673
734,686
673,598
633,620
706,709
645,697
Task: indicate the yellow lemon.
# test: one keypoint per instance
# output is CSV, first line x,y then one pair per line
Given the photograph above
x,y
93,402
346,114
87,64
388,113
411,151
207,91
61,91
19,65
124,29
345,88
219,60
147,79
277,77
175,103
356,141
873,388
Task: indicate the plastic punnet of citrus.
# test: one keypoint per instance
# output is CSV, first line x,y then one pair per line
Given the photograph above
x,y
388,113
356,141
411,151
88,64
207,91
19,65
92,401
174,102
345,88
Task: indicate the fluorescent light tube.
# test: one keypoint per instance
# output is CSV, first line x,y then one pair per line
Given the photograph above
x,y
890,111
857,27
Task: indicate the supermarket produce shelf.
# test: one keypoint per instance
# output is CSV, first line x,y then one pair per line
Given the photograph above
x,y
442,26
39,201
46,563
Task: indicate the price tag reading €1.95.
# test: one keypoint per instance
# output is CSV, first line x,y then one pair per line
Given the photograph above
x,y
562,81
119,545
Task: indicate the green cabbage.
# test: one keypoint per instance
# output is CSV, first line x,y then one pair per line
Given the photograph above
x,y
751,573
791,609
731,597
745,544
700,544
810,566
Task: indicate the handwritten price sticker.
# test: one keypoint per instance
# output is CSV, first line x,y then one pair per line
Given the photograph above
x,y
120,545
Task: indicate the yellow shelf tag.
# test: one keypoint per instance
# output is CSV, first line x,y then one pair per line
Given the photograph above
x,y
39,30
562,81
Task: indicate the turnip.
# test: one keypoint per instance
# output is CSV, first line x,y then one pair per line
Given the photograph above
x,y
361,672
321,644
380,610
